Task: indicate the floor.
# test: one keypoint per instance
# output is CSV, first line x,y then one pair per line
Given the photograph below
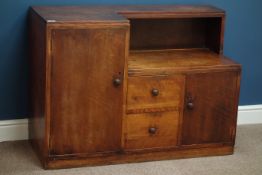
x,y
18,158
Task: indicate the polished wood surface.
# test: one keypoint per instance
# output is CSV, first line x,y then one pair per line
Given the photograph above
x,y
114,13
140,96
211,119
37,116
83,88
155,62
116,84
151,130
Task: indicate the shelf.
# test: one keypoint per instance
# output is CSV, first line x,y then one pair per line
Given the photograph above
x,y
181,33
175,60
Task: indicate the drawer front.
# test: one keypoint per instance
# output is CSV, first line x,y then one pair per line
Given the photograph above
x,y
151,130
158,93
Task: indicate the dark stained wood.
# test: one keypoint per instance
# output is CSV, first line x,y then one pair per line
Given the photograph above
x,y
173,26
139,95
212,118
37,120
92,13
116,84
175,33
167,33
234,126
86,105
215,34
163,133
66,162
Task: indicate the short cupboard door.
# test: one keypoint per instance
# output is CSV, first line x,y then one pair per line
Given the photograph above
x,y
86,102
210,108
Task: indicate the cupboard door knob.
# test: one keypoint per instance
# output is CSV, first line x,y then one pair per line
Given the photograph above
x,y
117,82
190,105
155,92
152,130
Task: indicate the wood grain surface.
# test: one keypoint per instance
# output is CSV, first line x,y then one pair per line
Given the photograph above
x,y
85,105
117,13
173,61
139,92
212,118
138,135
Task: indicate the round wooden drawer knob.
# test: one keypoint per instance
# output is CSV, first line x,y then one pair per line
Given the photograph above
x,y
117,82
152,130
190,105
155,92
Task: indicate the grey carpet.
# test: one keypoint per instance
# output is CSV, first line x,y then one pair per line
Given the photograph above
x,y
18,158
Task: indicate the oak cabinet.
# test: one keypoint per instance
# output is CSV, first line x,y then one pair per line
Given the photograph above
x,y
129,84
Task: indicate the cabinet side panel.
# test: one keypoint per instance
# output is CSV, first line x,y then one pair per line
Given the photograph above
x,y
37,52
215,34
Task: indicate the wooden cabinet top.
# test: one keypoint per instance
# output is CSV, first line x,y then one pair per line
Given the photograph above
x,y
61,14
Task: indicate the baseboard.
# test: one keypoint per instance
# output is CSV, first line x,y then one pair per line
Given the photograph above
x,y
249,114
11,130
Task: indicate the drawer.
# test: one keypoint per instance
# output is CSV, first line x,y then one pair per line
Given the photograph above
x,y
154,93
151,130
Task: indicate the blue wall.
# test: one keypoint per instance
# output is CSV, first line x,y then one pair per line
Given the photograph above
x,y
243,42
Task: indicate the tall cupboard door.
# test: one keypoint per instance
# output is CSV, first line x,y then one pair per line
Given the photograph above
x,y
210,108
87,92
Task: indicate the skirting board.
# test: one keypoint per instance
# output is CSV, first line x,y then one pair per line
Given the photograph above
x,y
249,114
11,130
